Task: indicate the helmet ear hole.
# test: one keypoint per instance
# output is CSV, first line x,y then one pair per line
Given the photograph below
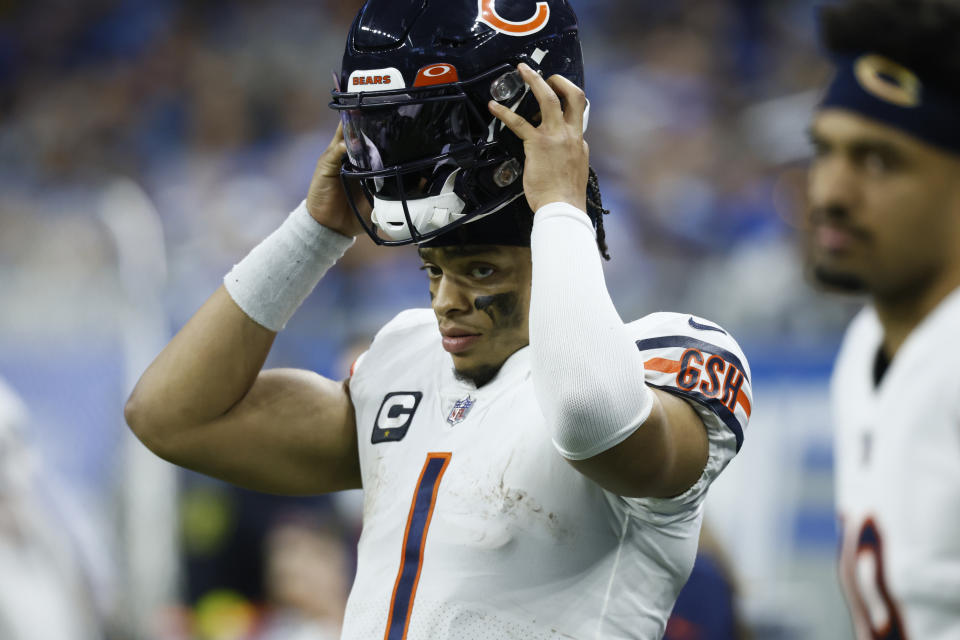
x,y
507,87
507,173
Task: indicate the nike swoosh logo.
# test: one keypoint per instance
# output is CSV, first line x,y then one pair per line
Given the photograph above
x,y
705,327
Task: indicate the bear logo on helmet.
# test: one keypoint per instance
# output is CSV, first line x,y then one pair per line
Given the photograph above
x,y
490,17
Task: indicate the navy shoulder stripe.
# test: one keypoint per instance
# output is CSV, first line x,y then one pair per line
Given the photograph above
x,y
714,405
667,342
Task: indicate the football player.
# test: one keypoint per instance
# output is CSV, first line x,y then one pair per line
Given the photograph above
x,y
885,222
532,466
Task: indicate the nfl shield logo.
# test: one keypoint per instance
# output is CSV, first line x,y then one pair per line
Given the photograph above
x,y
460,410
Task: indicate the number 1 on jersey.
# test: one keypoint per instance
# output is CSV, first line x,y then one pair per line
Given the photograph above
x,y
414,541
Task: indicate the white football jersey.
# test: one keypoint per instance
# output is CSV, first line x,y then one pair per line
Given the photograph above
x,y
898,478
474,527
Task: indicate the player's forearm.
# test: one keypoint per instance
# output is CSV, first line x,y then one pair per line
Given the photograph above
x,y
204,371
588,375
213,362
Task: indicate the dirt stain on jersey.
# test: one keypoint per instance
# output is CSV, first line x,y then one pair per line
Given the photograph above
x,y
517,503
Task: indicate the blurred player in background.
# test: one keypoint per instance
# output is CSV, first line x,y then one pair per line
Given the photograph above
x,y
707,607
885,221
45,591
532,466
307,573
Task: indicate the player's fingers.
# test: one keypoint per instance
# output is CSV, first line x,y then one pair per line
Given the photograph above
x,y
547,98
574,100
337,139
514,122
332,158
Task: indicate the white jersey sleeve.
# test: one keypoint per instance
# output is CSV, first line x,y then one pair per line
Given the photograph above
x,y
696,360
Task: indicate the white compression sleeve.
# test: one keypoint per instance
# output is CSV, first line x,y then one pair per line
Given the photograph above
x,y
587,373
271,283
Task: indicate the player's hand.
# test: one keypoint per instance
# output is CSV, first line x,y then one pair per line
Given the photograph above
x,y
327,201
558,159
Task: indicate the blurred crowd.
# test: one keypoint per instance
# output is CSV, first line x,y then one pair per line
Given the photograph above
x,y
217,110
202,121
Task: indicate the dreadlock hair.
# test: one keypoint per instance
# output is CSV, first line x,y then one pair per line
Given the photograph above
x,y
596,212
920,34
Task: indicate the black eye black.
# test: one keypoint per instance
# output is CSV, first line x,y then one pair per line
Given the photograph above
x,y
432,271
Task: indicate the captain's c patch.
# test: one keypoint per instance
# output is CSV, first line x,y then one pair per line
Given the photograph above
x,y
395,416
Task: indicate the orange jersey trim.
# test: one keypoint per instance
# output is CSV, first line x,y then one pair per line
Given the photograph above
x,y
664,365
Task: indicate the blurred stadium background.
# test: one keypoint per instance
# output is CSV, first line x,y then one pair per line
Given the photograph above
x,y
145,145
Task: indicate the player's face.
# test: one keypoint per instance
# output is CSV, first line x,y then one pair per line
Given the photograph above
x,y
884,213
481,296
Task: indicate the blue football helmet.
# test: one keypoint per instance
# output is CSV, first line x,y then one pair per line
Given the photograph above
x,y
413,91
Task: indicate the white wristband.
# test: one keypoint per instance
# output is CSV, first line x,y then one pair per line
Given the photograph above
x,y
271,283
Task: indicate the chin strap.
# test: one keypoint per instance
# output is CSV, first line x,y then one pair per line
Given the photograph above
x,y
427,214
